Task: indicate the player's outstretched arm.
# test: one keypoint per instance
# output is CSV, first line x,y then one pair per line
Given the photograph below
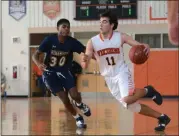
x,y
93,56
85,57
130,41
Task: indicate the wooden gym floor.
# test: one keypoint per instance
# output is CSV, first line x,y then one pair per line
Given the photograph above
x,y
47,116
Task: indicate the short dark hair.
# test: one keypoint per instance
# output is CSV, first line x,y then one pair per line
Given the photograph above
x,y
61,21
113,19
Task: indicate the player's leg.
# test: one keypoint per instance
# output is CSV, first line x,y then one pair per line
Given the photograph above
x,y
145,110
54,84
135,94
148,92
77,101
66,101
75,95
126,85
70,85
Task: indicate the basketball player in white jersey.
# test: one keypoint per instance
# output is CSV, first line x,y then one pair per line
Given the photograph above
x,y
173,14
108,49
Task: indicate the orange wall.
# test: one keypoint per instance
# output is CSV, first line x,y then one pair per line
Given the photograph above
x,y
161,71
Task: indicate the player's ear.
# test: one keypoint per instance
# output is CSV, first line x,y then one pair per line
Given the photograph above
x,y
112,25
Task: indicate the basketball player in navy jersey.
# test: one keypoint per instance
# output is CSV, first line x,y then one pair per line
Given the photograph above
x,y
108,49
59,49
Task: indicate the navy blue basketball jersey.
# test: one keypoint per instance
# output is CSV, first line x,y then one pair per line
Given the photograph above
x,y
59,56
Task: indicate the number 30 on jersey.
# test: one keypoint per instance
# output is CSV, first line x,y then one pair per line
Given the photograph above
x,y
54,61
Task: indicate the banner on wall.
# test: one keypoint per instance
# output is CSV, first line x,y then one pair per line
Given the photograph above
x,y
17,9
51,8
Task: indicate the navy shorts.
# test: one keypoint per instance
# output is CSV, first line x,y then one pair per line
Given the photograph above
x,y
58,81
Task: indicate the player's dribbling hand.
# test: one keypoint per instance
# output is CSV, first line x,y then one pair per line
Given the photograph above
x,y
84,65
84,57
42,66
147,49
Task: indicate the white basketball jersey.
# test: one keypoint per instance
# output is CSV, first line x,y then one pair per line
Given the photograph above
x,y
109,54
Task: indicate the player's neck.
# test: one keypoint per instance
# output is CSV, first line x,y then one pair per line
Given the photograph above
x,y
61,38
107,35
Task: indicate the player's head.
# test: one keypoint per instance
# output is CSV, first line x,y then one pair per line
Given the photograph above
x,y
108,22
63,27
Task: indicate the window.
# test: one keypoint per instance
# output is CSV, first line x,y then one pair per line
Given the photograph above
x,y
153,40
166,42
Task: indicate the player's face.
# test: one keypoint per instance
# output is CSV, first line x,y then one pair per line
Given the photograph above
x,y
105,26
64,29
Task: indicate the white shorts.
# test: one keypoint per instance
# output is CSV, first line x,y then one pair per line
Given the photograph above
x,y
121,85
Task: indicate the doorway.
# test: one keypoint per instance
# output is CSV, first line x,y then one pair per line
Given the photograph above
x,y
35,41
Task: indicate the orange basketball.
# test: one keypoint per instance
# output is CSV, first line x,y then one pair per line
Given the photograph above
x,y
137,54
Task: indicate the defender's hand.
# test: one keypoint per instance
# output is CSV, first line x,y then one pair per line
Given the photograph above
x,y
42,66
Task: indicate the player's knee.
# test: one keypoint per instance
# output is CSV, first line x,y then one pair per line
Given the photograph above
x,y
128,100
75,95
134,107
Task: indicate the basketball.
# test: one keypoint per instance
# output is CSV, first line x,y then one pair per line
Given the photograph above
x,y
137,54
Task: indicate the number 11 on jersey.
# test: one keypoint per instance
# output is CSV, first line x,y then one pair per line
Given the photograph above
x,y
110,61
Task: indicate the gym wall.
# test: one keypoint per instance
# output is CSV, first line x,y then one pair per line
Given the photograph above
x,y
36,22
